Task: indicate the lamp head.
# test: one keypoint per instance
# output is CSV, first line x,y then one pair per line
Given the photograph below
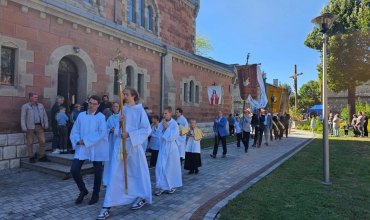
x,y
324,21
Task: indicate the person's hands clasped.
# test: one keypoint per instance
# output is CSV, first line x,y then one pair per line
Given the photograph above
x,y
165,124
125,135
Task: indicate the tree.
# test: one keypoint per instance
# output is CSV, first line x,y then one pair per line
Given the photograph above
x,y
203,45
309,95
348,55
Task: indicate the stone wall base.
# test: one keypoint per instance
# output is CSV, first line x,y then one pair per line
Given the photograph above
x,y
13,147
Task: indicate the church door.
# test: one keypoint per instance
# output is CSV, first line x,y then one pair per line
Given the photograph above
x,y
67,83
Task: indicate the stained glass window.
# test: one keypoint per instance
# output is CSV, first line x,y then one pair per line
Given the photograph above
x,y
149,25
7,66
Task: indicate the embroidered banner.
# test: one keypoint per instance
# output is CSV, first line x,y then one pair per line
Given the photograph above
x,y
274,96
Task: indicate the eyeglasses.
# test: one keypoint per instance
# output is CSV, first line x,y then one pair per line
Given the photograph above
x,y
90,103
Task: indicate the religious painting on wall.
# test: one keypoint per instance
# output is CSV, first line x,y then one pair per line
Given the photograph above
x,y
214,95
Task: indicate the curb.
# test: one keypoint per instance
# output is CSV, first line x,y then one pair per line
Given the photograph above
x,y
210,209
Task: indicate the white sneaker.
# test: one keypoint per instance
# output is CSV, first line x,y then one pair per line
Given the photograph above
x,y
138,204
56,151
104,213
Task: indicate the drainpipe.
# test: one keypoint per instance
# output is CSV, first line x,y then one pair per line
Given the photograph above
x,y
115,12
162,79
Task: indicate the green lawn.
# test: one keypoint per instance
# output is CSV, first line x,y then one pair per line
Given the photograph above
x,y
209,142
294,189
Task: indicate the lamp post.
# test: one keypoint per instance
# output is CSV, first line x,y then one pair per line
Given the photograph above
x,y
324,22
264,82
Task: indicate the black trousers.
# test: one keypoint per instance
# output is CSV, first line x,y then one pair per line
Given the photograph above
x,y
238,139
258,136
245,139
366,134
345,132
218,138
231,129
271,134
153,157
286,129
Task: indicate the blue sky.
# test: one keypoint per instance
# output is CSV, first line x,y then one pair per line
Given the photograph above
x,y
272,32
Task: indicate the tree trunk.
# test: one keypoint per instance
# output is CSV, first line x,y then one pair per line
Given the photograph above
x,y
351,102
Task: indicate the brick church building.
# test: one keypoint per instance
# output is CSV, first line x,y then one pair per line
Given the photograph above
x,y
64,47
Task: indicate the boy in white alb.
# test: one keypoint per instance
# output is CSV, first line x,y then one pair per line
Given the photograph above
x,y
168,170
137,130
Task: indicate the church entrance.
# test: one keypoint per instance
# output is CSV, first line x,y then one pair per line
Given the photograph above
x,y
67,83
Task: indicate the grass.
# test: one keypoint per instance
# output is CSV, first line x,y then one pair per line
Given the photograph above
x,y
209,142
294,189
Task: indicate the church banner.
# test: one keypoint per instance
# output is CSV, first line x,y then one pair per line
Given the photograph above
x,y
248,82
274,96
214,95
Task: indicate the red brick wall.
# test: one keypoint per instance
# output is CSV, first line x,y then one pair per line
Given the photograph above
x,y
205,112
176,22
44,36
176,25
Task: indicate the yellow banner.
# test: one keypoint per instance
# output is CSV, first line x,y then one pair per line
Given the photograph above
x,y
274,96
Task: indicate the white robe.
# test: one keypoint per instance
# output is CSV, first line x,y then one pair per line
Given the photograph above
x,y
111,123
137,166
192,145
182,121
154,140
168,169
92,129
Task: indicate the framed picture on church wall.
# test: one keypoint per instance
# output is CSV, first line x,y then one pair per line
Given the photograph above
x,y
214,95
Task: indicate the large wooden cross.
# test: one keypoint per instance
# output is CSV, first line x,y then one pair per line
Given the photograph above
x,y
295,85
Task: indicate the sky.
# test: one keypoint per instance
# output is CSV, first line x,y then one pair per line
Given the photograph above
x,y
272,32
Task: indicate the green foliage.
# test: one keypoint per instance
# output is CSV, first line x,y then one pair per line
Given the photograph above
x,y
360,107
348,64
203,45
309,95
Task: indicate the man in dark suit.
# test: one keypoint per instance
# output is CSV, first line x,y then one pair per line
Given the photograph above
x,y
259,128
286,123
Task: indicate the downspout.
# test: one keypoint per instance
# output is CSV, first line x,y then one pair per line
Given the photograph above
x,y
162,79
115,12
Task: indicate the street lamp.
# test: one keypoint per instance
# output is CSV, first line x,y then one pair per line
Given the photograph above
x,y
324,22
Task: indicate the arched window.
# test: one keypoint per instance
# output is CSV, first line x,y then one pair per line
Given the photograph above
x,y
196,94
140,84
186,92
141,16
191,91
149,14
129,71
132,10
7,66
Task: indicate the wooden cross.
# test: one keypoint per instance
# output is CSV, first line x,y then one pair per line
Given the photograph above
x,y
295,85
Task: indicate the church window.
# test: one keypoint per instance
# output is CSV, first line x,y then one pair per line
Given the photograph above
x,y
197,94
191,91
7,66
185,92
129,72
149,15
132,7
115,84
140,83
141,16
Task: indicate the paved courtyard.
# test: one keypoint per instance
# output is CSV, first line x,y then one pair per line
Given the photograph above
x,y
33,195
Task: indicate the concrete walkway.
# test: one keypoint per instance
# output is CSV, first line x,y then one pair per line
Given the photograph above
x,y
33,195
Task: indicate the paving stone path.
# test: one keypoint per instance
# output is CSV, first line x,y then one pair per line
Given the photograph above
x,y
33,195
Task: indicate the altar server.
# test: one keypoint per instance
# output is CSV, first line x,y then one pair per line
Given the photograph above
x,y
192,149
137,131
168,170
90,142
181,120
154,141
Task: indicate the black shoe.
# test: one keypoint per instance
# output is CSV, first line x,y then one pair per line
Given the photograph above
x,y
94,199
44,159
196,171
32,160
238,145
245,151
81,197
191,172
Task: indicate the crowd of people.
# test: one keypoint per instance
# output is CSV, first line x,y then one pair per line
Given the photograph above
x,y
358,123
100,134
250,125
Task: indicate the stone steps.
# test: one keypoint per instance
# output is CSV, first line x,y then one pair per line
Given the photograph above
x,y
60,165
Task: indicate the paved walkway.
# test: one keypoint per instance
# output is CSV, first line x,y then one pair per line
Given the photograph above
x,y
33,195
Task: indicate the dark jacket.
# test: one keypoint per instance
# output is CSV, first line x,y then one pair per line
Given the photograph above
x,y
259,120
